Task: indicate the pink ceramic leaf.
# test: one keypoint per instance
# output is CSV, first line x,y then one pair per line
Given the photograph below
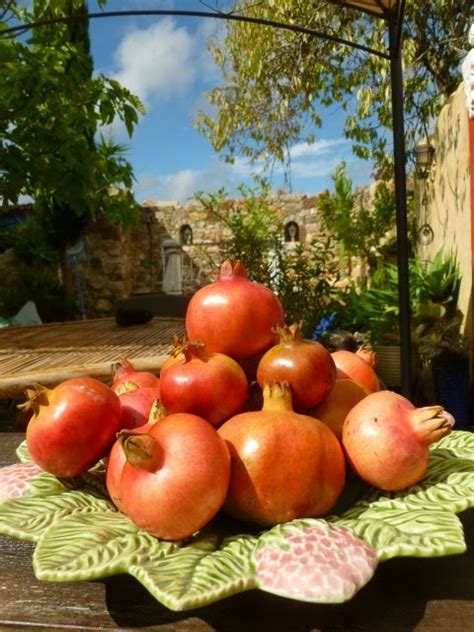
x,y
312,560
15,479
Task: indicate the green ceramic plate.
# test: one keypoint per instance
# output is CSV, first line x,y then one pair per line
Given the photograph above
x,y
80,536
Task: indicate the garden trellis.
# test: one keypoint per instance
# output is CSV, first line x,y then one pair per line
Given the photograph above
x,y
392,13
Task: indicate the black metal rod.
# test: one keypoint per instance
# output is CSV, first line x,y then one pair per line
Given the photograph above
x,y
399,155
219,15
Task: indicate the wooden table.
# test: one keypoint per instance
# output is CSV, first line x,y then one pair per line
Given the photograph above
x,y
53,352
405,595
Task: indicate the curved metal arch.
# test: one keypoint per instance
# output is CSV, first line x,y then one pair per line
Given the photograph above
x,y
199,14
392,12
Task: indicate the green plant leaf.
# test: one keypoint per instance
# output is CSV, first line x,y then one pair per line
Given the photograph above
x,y
22,453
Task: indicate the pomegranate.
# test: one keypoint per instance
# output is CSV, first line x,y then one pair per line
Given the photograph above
x,y
284,465
127,378
306,365
333,410
176,476
351,366
386,439
234,315
136,405
116,458
73,425
210,385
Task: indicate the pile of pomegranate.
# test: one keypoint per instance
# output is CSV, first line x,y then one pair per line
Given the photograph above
x,y
246,416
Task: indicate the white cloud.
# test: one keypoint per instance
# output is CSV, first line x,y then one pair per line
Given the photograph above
x,y
183,184
318,159
318,148
156,62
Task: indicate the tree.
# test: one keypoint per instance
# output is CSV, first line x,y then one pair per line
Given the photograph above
x,y
51,108
281,80
359,225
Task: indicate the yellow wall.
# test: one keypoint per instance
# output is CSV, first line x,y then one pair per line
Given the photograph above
x,y
448,208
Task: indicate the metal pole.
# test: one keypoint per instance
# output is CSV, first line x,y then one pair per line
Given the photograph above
x,y
401,203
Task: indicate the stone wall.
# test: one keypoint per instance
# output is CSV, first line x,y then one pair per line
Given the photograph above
x,y
118,263
203,256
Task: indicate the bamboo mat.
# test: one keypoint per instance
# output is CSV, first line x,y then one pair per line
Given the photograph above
x,y
53,352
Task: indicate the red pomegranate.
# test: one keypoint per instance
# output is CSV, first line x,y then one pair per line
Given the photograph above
x,y
386,439
126,378
234,315
351,366
210,385
176,476
73,425
116,459
306,365
335,407
136,405
284,465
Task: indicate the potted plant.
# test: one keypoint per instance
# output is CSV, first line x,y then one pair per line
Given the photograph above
x,y
444,351
374,310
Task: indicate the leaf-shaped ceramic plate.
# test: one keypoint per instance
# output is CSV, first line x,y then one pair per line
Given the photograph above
x,y
80,536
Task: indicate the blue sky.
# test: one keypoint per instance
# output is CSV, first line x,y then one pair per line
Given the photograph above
x,y
165,62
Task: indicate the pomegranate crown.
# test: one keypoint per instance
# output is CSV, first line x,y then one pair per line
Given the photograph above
x,y
188,348
121,368
289,333
277,396
36,396
229,270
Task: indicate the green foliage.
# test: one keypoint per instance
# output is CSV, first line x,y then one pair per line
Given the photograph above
x,y
440,336
283,80
304,281
437,282
373,310
29,241
40,285
50,110
302,275
438,321
434,291
358,227
254,226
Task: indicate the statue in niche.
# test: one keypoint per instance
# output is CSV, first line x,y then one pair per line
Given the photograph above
x,y
172,265
292,232
186,235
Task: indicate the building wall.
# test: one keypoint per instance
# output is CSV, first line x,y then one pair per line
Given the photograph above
x,y
117,264
202,257
446,193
